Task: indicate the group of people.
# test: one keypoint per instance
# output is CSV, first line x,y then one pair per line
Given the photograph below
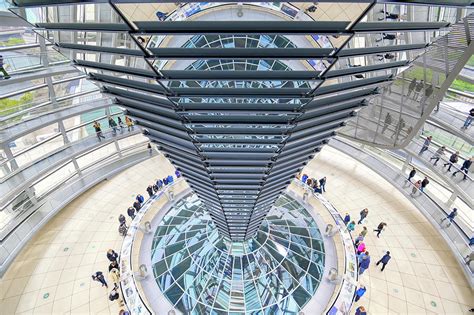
x,y
453,158
363,255
115,126
318,186
139,200
114,276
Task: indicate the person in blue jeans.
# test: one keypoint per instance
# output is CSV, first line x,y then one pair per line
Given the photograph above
x,y
451,216
469,119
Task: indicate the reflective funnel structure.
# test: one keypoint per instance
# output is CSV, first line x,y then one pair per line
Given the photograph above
x,y
239,106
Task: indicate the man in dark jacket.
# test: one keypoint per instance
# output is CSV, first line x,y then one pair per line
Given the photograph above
x,y
453,159
112,255
384,260
424,183
99,277
149,190
465,168
131,212
412,174
322,183
137,205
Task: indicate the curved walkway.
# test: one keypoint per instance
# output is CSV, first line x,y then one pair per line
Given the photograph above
x,y
52,274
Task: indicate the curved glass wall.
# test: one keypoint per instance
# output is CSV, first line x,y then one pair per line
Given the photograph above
x,y
199,272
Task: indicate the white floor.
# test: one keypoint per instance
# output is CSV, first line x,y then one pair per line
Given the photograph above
x,y
52,275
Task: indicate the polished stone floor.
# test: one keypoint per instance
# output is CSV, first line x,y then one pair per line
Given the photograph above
x,y
52,275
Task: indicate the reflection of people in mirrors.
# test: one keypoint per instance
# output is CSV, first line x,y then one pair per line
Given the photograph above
x,y
387,122
161,15
387,37
389,16
398,129
386,56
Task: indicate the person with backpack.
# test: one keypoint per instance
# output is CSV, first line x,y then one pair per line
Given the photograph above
x,y
99,277
351,226
465,168
364,263
453,159
424,183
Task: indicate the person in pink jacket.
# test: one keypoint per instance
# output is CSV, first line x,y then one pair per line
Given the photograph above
x,y
361,248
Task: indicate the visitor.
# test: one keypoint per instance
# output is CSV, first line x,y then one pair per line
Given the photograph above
x,y
347,219
150,149
312,8
364,231
112,255
177,173
123,230
426,144
450,217
98,130
465,168
384,260
161,15
387,37
387,122
360,292
129,123
165,181
322,183
453,159
424,183
363,214
124,312
361,311
411,87
170,179
155,188
361,256
131,212
140,199
411,174
120,124
113,125
416,187
380,228
360,248
358,240
114,275
149,190
419,86
400,125
438,154
137,205
467,123
159,183
304,178
122,219
317,189
99,277
113,264
364,263
428,91
389,16
351,226
2,69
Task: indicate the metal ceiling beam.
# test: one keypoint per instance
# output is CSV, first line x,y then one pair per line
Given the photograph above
x,y
241,53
